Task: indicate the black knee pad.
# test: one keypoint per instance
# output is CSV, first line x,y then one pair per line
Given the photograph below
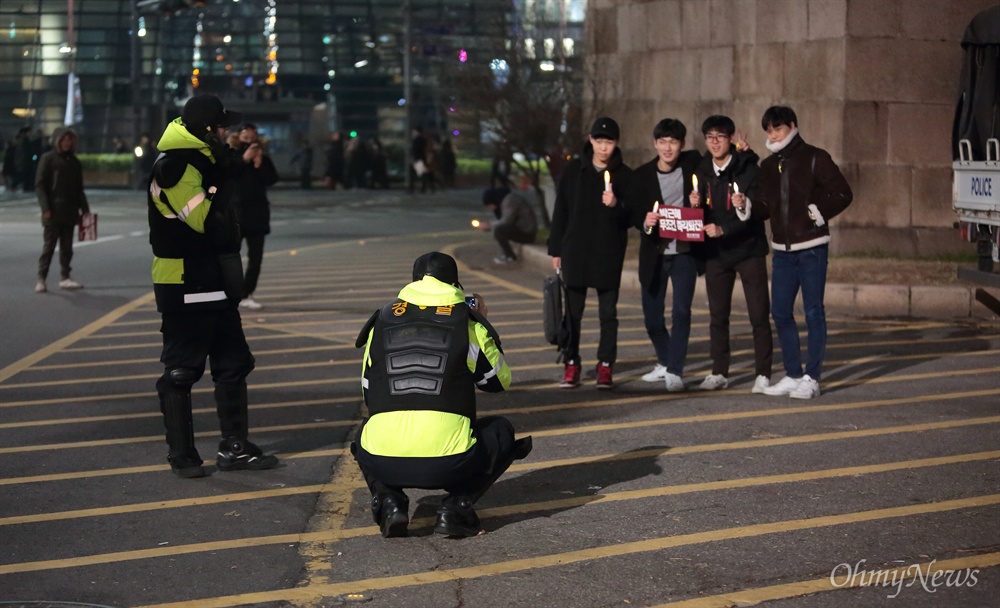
x,y
184,377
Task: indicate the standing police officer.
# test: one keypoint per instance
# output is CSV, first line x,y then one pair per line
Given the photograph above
x,y
425,354
197,280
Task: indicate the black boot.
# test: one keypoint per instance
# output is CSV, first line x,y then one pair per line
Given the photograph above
x,y
456,518
236,452
390,513
183,456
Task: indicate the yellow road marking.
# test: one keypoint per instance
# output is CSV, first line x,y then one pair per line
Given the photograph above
x,y
674,451
752,597
780,411
155,414
318,592
62,343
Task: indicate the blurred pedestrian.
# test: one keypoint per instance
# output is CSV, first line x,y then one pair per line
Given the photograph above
x,y
516,222
426,353
253,209
10,177
197,282
420,170
59,188
380,165
448,164
334,173
501,167
800,189
357,163
587,243
145,158
304,159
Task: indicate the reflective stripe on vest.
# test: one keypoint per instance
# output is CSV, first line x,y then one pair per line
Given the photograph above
x,y
207,296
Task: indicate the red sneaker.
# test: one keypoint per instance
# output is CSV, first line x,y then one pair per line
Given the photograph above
x,y
604,379
571,375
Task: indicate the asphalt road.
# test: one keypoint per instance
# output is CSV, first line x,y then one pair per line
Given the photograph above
x,y
631,497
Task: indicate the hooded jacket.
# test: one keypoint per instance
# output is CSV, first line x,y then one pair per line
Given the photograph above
x,y
412,424
792,180
59,182
190,224
590,237
741,239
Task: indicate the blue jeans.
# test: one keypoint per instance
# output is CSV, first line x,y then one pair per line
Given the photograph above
x,y
682,271
791,271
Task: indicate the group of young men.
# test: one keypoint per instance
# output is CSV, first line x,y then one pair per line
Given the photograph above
x,y
798,188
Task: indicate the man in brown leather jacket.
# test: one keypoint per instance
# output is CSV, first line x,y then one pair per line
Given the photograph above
x,y
800,189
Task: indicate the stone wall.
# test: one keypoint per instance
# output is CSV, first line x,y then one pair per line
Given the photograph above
x,y
874,82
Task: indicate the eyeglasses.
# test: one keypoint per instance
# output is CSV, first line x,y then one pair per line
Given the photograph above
x,y
716,137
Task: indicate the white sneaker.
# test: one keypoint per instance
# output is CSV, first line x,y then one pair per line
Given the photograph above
x,y
784,387
250,304
674,383
658,374
807,389
40,287
502,260
713,382
760,385
68,284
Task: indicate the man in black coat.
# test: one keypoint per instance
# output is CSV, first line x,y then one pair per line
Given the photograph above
x,y
666,180
587,243
252,207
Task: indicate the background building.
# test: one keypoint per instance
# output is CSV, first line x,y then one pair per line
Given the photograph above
x,y
296,67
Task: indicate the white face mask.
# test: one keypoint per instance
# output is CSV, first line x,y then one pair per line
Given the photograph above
x,y
778,146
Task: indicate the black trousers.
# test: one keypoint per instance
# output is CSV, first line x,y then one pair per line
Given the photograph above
x,y
505,234
255,257
56,233
468,474
719,282
191,338
607,313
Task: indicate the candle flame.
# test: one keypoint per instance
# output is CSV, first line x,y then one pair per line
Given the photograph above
x,y
475,223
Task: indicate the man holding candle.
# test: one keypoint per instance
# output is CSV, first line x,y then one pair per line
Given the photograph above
x,y
736,244
666,180
800,189
587,243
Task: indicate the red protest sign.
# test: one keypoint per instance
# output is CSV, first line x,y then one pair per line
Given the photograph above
x,y
682,223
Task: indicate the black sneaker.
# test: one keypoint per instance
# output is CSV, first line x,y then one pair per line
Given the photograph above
x,y
240,454
187,466
457,519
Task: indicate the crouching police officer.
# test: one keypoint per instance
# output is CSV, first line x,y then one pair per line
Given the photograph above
x,y
197,280
425,354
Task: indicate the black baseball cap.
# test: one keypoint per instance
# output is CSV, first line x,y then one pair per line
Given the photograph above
x,y
605,127
439,265
206,112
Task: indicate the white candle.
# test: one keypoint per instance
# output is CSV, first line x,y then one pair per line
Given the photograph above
x,y
607,181
656,207
694,182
